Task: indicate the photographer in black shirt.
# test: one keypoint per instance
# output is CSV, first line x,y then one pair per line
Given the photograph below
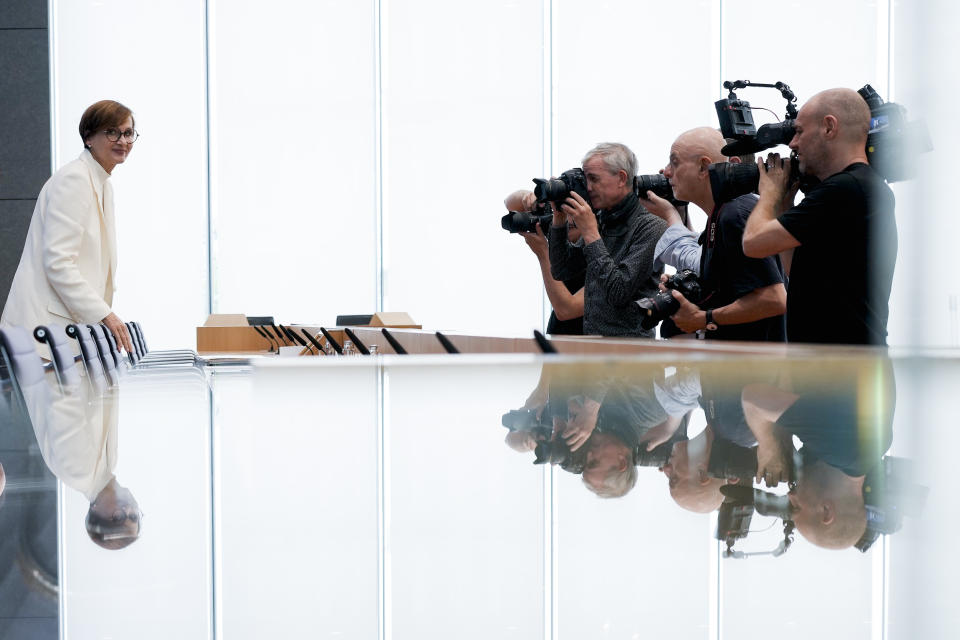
x,y
744,298
839,245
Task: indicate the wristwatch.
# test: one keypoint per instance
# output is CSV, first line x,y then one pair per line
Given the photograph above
x,y
711,323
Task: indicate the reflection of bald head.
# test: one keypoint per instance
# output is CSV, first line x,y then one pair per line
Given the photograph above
x,y
702,141
850,110
699,497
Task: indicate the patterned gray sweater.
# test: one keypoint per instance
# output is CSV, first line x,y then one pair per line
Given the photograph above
x,y
619,268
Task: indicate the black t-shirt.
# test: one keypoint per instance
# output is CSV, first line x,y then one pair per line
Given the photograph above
x,y
726,274
574,326
842,272
843,417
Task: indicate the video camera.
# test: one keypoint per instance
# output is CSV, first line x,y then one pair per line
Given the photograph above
x,y
733,519
892,143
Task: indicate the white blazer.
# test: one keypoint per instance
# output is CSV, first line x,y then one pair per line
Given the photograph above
x,y
66,272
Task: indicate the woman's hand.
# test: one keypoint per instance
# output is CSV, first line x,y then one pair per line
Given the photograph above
x,y
119,331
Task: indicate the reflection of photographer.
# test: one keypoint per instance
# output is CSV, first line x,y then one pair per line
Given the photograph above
x,y
615,253
740,298
845,225
566,297
844,422
598,427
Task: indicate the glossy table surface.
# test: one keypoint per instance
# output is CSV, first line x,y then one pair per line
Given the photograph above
x,y
397,497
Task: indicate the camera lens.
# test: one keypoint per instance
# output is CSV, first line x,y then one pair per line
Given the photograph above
x,y
657,183
551,190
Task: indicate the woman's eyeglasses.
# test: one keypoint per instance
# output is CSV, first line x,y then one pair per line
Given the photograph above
x,y
114,135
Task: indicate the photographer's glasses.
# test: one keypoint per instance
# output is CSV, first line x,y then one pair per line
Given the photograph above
x,y
129,135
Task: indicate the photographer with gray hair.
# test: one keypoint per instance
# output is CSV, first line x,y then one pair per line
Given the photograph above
x,y
617,242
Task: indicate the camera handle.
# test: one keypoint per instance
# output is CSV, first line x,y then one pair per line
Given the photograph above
x,y
782,87
788,528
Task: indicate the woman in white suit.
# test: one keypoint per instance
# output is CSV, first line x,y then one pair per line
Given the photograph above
x,y
66,273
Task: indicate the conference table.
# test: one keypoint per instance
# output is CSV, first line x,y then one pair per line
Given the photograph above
x,y
396,496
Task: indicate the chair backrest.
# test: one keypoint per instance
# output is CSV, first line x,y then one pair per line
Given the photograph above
x,y
137,350
22,362
91,358
143,341
103,350
115,352
20,356
64,364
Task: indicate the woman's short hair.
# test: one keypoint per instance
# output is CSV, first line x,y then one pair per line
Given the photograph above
x,y
102,115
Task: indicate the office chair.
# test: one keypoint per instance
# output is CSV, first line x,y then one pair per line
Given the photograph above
x,y
106,357
64,361
96,375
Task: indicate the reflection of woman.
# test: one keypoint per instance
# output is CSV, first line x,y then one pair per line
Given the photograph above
x,y
66,272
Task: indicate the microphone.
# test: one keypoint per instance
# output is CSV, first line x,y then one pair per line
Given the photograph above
x,y
331,341
293,336
393,342
356,341
313,341
545,345
446,343
279,334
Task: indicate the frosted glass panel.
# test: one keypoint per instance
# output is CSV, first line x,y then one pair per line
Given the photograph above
x,y
297,560
161,584
439,514
854,52
463,127
293,159
624,75
123,51
925,305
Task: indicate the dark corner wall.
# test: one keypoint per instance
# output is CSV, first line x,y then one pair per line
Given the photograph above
x,y
24,125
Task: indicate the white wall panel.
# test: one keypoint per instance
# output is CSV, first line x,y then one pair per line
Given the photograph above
x,y
293,159
463,127
149,56
635,73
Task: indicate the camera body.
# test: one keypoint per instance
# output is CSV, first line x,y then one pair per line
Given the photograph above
x,y
663,305
736,120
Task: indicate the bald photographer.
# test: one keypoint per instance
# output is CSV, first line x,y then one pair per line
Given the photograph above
x,y
839,245
740,298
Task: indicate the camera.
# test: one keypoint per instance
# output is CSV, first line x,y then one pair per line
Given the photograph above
x,y
657,183
728,460
736,120
559,189
729,180
527,221
664,305
547,451
735,513
892,143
